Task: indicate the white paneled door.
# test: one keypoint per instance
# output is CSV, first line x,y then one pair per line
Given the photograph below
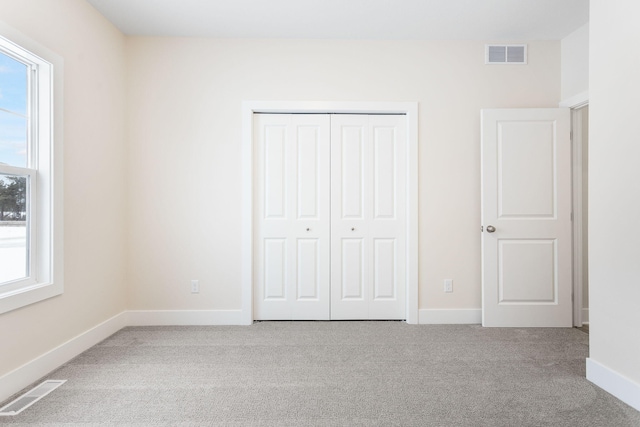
x,y
526,217
330,225
368,217
292,221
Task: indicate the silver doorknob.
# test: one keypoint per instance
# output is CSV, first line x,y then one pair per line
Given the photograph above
x,y
490,229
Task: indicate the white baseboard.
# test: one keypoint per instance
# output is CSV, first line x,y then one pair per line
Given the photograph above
x,y
612,382
32,371
184,317
585,316
450,317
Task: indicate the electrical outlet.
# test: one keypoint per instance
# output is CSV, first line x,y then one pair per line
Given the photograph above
x,y
195,286
448,285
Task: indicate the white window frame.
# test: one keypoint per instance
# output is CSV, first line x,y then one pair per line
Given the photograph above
x,y
44,171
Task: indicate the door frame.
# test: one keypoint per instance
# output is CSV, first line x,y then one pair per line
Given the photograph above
x,y
249,108
576,103
578,214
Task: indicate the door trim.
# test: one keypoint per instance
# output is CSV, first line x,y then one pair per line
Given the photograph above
x,y
578,214
410,109
575,103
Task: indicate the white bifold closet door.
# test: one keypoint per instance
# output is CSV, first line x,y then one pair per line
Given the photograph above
x,y
292,222
368,217
330,226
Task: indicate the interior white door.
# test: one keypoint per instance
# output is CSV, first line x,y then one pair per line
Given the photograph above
x,y
291,266
368,216
526,217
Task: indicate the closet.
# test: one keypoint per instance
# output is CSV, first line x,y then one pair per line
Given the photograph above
x,y
330,222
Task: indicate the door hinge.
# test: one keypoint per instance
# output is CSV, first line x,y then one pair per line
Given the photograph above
x,y
481,228
572,216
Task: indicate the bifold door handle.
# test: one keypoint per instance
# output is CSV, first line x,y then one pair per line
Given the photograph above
x,y
490,229
353,229
308,229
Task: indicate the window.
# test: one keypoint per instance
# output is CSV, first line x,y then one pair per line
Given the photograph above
x,y
30,265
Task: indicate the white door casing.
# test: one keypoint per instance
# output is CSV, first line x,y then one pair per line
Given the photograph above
x,y
526,198
249,154
292,217
368,216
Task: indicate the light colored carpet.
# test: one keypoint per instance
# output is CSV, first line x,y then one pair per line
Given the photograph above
x,y
331,373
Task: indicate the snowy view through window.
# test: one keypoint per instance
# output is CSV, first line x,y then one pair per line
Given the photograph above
x,y
13,228
14,136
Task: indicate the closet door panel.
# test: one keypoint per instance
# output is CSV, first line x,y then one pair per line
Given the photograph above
x,y
350,166
388,217
291,267
368,198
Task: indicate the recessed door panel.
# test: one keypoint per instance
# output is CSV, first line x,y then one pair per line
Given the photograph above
x,y
274,171
275,271
307,277
384,276
352,146
353,269
384,172
526,169
308,167
527,271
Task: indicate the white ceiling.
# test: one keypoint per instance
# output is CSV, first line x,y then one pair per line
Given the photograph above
x,y
349,19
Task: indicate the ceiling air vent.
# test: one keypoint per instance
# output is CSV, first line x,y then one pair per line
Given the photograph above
x,y
506,54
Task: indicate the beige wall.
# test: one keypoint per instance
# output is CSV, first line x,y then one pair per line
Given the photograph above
x,y
614,193
185,100
575,62
94,180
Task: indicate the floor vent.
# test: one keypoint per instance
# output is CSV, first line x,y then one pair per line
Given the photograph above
x,y
506,54
30,397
